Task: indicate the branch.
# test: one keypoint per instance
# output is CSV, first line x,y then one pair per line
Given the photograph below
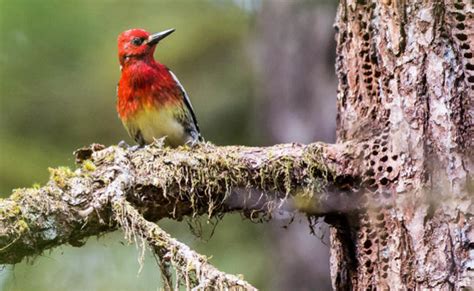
x,y
190,267
161,182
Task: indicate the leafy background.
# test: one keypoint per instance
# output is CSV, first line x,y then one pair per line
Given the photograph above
x,y
58,73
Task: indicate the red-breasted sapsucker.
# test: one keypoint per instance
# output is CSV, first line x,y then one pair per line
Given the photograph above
x,y
151,101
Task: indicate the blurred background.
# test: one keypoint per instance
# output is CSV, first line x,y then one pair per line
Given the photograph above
x,y
257,72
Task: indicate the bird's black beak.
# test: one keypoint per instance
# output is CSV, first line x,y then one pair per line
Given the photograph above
x,y
155,38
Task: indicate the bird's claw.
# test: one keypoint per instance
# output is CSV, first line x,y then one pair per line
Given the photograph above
x,y
122,144
134,148
192,143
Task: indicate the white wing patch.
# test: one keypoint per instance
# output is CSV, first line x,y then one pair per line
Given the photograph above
x,y
186,100
182,89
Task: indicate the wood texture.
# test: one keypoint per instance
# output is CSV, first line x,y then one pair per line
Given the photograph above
x,y
406,81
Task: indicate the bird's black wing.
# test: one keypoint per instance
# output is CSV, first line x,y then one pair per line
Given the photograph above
x,y
187,102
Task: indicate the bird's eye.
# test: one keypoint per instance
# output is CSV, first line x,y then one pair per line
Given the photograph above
x,y
137,41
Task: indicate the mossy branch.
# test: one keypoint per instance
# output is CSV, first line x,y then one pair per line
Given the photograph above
x,y
161,182
192,269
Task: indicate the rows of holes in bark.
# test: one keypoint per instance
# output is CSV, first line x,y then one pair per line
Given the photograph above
x,y
370,72
378,159
381,162
382,166
367,97
463,25
373,240
460,26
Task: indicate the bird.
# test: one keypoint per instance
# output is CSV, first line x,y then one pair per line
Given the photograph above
x,y
151,102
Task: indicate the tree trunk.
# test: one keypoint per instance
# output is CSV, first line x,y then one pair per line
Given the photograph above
x,y
406,82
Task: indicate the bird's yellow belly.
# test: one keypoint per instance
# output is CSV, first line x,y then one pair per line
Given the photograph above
x,y
153,123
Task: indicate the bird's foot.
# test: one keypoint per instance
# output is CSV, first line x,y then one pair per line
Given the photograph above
x,y
192,143
123,144
134,148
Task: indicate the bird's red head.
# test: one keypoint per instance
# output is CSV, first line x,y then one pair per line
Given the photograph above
x,y
138,44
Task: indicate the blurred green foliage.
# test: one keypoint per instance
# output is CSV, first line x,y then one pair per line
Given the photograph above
x,y
58,73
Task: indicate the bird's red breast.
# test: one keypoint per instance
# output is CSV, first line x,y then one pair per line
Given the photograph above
x,y
144,85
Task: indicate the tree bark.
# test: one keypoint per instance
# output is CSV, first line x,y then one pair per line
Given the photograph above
x,y
406,83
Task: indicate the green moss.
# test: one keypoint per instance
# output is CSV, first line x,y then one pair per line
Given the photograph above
x,y
17,195
21,226
110,157
88,165
11,210
60,175
15,210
